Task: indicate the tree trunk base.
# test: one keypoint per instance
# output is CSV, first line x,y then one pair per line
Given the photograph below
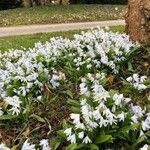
x,y
138,20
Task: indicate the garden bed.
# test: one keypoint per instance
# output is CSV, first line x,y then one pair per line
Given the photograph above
x,y
88,92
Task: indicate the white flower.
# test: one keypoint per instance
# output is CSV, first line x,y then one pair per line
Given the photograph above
x,y
96,114
134,118
136,77
39,98
89,66
85,110
45,145
28,146
55,81
118,99
121,116
15,110
137,82
87,140
72,138
142,79
141,133
127,100
15,103
99,92
81,135
3,147
141,87
75,118
137,110
145,147
83,88
146,124
68,131
129,79
1,112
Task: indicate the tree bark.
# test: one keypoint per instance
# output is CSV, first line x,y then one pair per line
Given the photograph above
x,y
138,20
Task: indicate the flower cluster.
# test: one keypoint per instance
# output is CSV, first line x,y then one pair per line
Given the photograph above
x,y
24,73
99,48
137,81
101,109
99,112
27,146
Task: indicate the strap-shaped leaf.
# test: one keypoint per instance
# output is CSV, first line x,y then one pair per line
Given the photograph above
x,y
103,139
128,128
94,147
139,141
72,147
7,117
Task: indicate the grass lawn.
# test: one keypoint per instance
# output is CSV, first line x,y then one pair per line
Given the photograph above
x,y
61,14
27,41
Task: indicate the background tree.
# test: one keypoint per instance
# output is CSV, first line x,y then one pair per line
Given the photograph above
x,y
138,20
9,4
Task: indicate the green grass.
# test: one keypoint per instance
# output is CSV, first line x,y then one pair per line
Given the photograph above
x,y
60,14
27,41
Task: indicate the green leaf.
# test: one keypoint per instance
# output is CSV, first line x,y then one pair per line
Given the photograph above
x,y
147,141
128,128
147,133
103,139
61,133
139,141
8,117
130,67
14,147
112,92
57,144
81,146
75,109
38,118
73,102
72,147
64,124
69,93
94,147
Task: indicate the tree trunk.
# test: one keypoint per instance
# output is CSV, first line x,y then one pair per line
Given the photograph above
x,y
138,20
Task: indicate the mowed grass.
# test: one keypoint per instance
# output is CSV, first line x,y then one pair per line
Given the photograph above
x,y
26,41
61,14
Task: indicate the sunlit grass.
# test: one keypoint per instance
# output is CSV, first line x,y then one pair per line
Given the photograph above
x,y
61,14
27,41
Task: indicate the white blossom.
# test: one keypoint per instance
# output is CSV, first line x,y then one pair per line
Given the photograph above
x,y
87,140
3,147
45,145
145,147
81,135
28,146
